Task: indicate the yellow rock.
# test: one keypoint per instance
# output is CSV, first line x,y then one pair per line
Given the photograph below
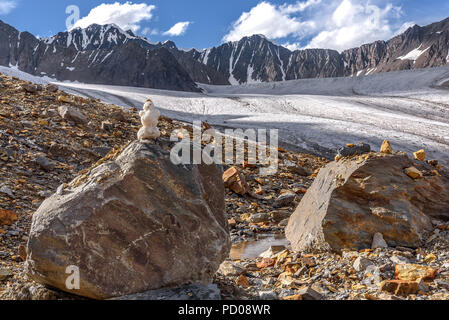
x,y
242,281
386,147
430,258
358,287
413,173
285,279
282,256
338,157
420,155
413,272
293,298
64,99
350,145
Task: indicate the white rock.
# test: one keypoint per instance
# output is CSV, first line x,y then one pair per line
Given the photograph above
x,y
72,114
372,277
272,252
399,259
229,268
378,241
360,264
350,254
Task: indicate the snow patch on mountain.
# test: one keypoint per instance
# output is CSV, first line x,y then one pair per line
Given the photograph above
x,y
414,54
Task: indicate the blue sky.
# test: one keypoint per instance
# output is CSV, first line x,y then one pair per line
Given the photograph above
x,y
336,24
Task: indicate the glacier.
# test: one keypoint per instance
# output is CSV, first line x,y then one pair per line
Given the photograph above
x,y
409,108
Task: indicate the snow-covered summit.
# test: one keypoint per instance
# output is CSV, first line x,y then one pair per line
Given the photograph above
x,y
94,37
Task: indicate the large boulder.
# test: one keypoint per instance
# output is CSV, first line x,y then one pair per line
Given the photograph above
x,y
132,224
353,199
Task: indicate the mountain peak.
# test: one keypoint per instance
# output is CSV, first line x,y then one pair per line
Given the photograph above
x,y
256,37
96,36
169,44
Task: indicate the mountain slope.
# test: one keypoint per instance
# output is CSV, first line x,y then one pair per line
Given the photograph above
x,y
418,47
97,54
198,71
256,59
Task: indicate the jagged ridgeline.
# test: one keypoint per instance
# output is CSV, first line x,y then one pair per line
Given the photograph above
x,y
109,55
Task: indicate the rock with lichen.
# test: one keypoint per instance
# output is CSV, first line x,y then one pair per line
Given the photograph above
x,y
352,200
134,223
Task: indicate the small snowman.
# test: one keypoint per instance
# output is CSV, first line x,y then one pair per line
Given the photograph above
x,y
149,117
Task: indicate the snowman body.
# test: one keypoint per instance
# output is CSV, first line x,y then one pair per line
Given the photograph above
x,y
149,117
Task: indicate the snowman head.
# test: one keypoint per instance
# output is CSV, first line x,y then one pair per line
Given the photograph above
x,y
148,105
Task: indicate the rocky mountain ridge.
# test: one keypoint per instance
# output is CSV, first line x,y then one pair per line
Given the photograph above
x,y
98,54
109,55
257,59
418,47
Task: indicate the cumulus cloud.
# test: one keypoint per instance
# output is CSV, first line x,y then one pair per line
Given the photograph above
x,y
273,21
150,32
126,15
292,46
7,6
353,24
326,24
178,29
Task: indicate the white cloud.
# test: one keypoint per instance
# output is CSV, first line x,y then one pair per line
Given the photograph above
x,y
150,32
178,29
7,6
354,23
126,15
146,31
273,21
292,46
329,24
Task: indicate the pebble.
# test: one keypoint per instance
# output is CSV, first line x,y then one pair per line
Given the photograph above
x,y
285,200
272,252
45,163
268,295
7,191
308,293
4,274
378,241
60,190
360,264
284,223
260,217
359,149
229,268
399,259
